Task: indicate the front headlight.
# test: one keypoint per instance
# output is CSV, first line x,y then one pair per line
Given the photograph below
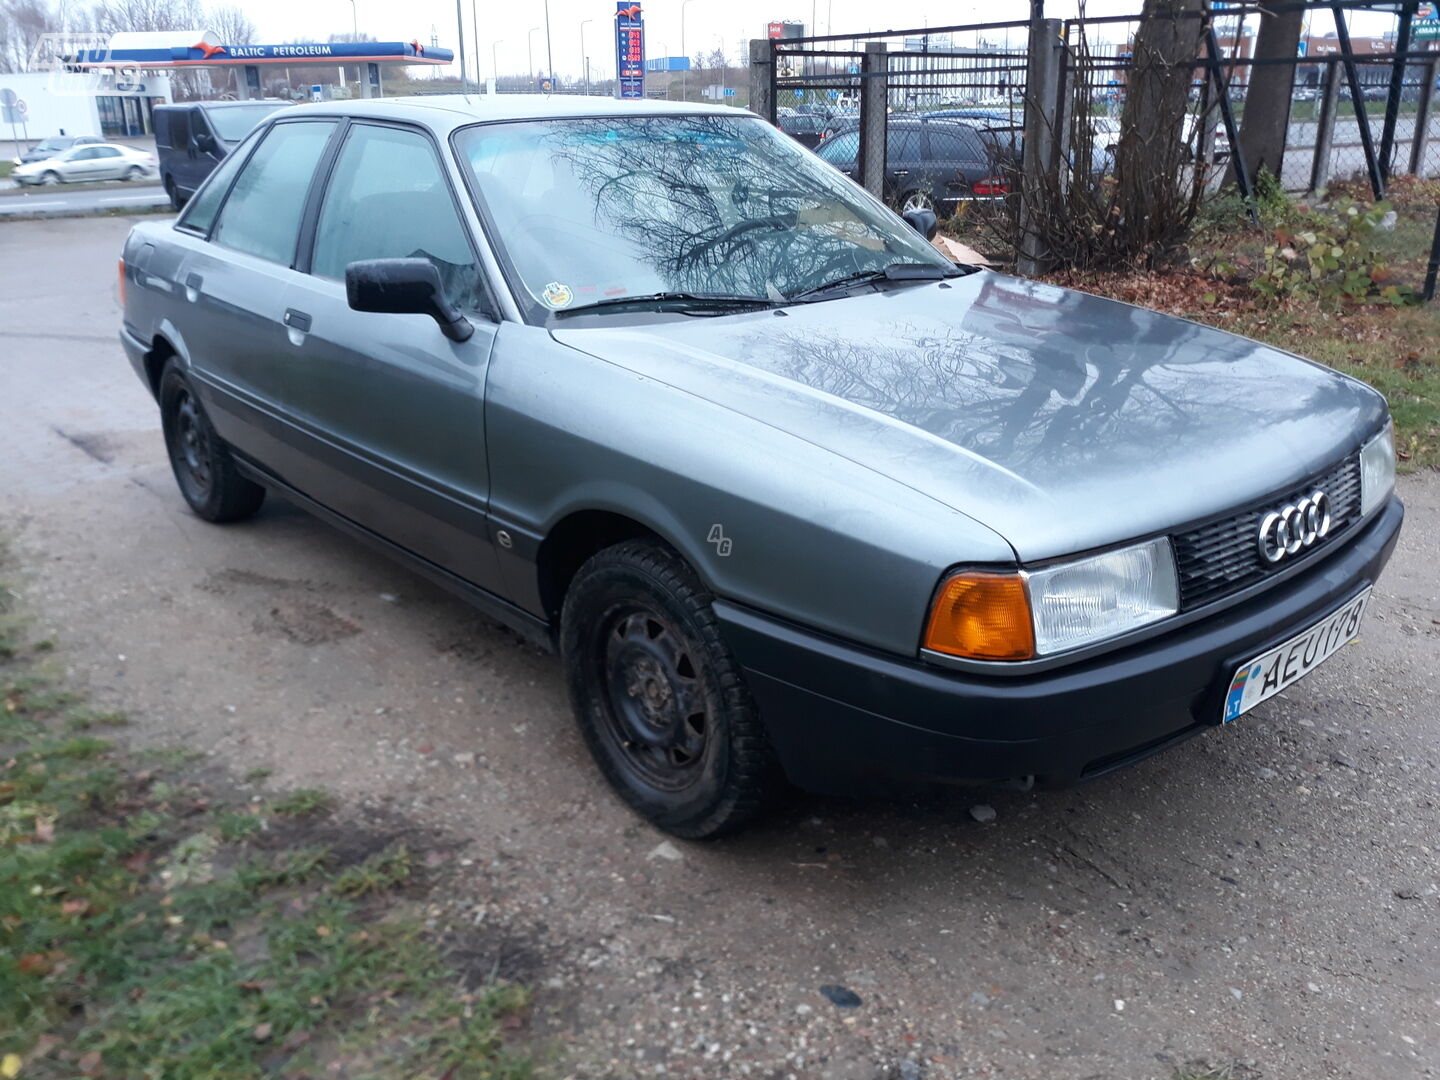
x,y
1089,600
982,615
1377,469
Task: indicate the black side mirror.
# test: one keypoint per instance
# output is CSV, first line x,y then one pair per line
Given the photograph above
x,y
404,287
922,221
204,142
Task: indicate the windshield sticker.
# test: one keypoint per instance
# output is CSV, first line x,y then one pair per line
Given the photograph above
x,y
557,295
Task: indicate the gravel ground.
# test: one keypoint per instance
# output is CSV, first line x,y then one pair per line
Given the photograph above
x,y
1266,897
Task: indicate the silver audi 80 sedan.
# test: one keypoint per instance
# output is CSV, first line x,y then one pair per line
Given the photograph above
x,y
792,495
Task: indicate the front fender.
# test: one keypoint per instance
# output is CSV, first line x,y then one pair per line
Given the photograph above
x,y
764,517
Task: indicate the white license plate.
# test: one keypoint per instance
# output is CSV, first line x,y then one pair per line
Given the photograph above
x,y
1285,665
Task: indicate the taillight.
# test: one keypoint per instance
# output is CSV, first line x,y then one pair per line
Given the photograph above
x,y
992,185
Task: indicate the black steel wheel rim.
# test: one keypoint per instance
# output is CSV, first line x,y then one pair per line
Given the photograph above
x,y
190,449
656,710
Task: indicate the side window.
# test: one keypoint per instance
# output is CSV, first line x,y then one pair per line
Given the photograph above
x,y
262,215
904,145
104,152
840,149
388,199
198,123
963,145
179,128
200,211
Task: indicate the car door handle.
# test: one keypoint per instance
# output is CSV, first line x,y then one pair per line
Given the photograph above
x,y
297,320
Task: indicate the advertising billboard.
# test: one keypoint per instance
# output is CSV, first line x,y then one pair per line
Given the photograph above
x,y
629,50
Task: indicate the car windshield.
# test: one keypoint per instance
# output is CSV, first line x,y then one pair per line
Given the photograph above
x,y
596,209
234,122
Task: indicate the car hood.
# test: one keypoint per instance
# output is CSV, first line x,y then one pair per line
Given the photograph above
x,y
1061,420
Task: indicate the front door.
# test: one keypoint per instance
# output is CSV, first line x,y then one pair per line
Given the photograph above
x,y
392,410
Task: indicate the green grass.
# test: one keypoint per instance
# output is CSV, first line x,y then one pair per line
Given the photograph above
x,y
302,802
147,930
5,167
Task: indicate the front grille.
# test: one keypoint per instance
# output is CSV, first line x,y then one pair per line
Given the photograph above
x,y
1223,556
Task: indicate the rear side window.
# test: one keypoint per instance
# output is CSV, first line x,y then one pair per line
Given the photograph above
x,y
200,211
262,215
956,145
389,199
904,144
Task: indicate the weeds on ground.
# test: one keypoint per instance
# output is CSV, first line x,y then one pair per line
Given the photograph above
x,y
302,802
144,932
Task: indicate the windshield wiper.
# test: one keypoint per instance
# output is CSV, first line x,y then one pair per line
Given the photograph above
x,y
900,271
682,300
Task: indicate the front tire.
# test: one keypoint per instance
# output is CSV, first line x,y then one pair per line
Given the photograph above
x,y
203,466
50,178
658,695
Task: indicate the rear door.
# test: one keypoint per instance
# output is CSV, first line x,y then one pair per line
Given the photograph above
x,y
109,163
235,285
392,411
955,160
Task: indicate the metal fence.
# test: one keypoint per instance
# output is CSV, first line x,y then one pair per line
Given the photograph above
x,y
1361,110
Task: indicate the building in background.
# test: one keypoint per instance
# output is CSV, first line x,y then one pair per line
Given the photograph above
x,y
112,104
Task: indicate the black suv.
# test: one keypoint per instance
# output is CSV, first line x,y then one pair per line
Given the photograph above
x,y
929,164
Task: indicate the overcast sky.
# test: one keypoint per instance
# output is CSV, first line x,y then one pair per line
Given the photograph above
x,y
708,24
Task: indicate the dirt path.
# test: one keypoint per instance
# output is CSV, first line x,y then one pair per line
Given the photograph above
x,y
1268,894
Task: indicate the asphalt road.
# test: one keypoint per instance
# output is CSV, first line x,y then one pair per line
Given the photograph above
x,y
62,201
1266,895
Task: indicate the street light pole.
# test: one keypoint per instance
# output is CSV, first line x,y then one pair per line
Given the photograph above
x,y
549,52
495,60
460,33
685,71
530,51
584,56
475,27
354,37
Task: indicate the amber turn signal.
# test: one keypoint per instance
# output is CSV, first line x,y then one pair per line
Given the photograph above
x,y
122,282
982,616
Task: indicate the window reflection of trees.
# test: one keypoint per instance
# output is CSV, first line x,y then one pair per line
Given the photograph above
x,y
1034,377
712,204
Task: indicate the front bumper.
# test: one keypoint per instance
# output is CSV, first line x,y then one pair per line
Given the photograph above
x,y
843,718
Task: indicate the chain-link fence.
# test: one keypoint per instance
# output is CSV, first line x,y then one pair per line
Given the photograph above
x,y
1361,117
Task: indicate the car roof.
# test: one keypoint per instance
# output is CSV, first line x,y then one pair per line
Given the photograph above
x,y
221,104
444,112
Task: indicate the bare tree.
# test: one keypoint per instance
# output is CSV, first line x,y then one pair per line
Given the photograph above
x,y
1156,194
230,25
116,16
23,23
1267,100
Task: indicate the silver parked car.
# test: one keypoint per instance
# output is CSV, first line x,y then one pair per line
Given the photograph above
x,y
88,162
791,494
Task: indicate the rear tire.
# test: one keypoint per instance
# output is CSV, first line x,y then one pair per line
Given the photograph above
x,y
204,469
658,695
134,173
917,200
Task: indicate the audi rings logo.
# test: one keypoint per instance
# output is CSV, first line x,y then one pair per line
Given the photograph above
x,y
1294,527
